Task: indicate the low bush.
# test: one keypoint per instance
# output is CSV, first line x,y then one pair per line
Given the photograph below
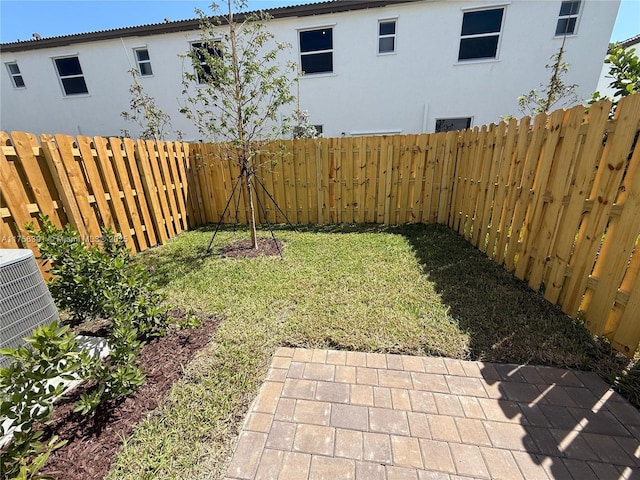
x,y
27,393
88,282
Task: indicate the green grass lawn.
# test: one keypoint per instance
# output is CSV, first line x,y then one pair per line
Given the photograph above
x,y
417,289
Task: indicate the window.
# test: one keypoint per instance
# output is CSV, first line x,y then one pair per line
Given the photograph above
x,y
480,34
16,76
316,51
71,77
386,36
568,17
204,52
449,124
144,62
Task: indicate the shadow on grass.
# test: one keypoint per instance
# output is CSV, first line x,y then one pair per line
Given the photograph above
x,y
507,321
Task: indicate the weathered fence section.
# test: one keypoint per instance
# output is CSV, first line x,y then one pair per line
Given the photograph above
x,y
138,188
555,199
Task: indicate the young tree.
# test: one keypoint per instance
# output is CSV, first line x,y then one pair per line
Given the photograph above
x,y
554,92
624,72
238,87
153,121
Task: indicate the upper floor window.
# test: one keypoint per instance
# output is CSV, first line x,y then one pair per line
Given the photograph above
x,y
386,36
144,62
480,35
16,76
204,52
316,51
71,76
568,18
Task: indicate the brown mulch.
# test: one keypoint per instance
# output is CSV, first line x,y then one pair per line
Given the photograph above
x,y
243,248
94,440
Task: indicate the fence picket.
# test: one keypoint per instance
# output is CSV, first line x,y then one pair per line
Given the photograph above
x,y
106,168
534,213
24,144
524,188
617,247
603,194
486,183
120,171
506,162
78,184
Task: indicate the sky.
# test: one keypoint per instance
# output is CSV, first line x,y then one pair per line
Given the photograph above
x,y
19,19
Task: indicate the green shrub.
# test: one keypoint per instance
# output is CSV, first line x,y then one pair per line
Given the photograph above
x,y
100,280
92,282
27,395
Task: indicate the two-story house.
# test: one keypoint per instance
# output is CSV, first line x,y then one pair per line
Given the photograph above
x,y
371,67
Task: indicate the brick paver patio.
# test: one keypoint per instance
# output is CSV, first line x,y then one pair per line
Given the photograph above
x,y
333,415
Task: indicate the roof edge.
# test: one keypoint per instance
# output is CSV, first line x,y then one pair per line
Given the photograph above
x,y
332,6
630,41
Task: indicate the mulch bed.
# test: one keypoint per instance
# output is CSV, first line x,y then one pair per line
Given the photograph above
x,y
94,440
244,249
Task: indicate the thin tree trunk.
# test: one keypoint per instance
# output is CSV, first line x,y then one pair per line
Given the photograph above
x,y
553,83
252,214
244,165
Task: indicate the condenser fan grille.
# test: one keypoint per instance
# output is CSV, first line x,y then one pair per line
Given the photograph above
x,y
25,301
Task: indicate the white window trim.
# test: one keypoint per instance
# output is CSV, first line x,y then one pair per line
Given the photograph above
x,y
577,16
487,6
13,75
55,69
364,133
500,34
394,36
138,62
300,54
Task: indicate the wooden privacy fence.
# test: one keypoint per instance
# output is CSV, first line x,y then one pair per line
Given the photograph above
x,y
555,199
138,188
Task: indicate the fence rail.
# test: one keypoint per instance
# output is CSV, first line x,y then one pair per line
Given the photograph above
x,y
555,199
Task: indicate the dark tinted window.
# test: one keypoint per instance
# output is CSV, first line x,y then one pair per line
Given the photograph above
x,y
484,21
13,68
479,47
448,124
570,8
19,82
313,40
145,69
68,66
387,28
74,86
317,63
386,44
566,26
142,54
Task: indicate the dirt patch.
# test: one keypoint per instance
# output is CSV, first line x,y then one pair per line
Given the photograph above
x,y
243,248
94,440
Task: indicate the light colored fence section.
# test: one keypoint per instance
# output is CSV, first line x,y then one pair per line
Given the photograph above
x,y
138,188
555,199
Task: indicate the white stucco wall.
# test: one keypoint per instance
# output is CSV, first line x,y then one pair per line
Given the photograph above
x,y
367,93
